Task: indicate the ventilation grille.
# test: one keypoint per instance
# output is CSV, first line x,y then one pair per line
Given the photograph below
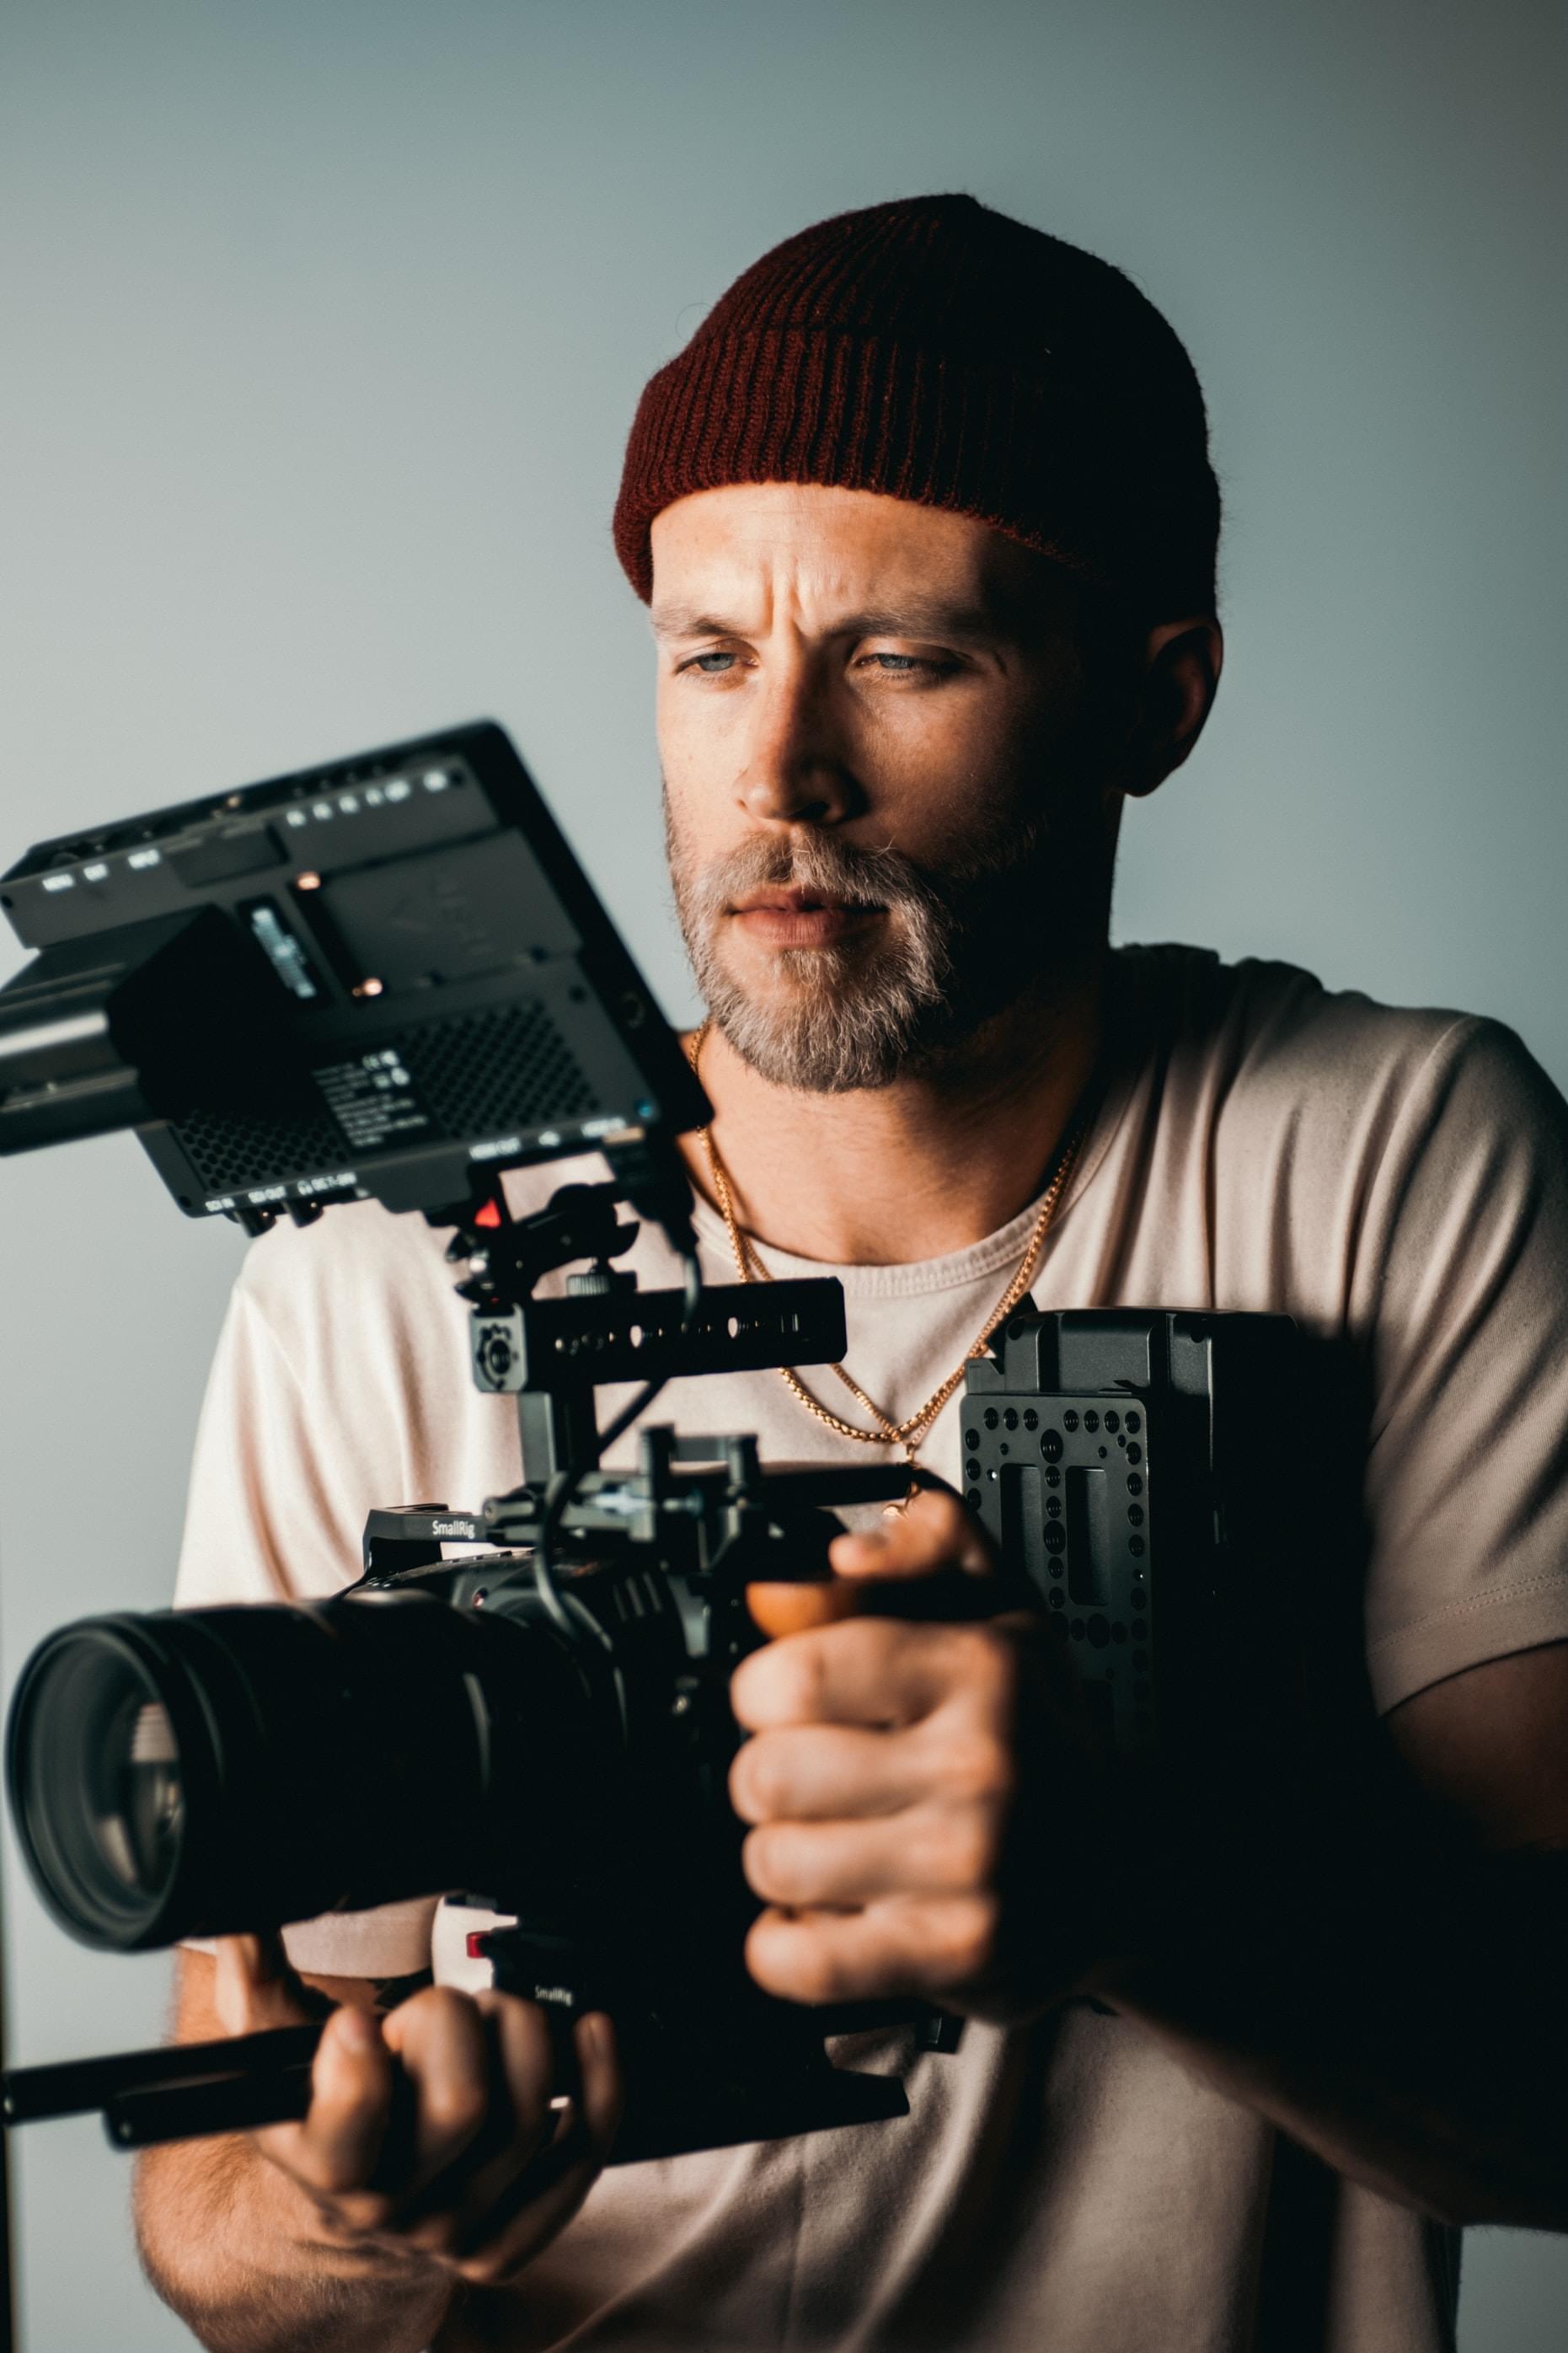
x,y
232,1155
489,1072
478,1075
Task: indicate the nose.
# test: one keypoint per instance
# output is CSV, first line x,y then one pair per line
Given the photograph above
x,y
793,771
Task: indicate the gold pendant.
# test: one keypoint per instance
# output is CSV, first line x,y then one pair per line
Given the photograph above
x,y
897,1510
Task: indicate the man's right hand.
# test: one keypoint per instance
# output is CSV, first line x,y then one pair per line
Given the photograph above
x,y
431,2136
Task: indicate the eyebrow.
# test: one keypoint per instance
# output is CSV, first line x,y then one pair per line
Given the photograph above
x,y
917,617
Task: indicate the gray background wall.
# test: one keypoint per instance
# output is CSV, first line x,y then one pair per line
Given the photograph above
x,y
324,327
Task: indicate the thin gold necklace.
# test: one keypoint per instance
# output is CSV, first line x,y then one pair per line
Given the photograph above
x,y
910,1433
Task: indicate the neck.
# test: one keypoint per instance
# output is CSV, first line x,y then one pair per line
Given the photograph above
x,y
918,1169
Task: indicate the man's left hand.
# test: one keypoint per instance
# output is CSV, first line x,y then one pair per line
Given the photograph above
x,y
902,1782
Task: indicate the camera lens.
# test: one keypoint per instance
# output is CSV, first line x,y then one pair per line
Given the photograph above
x,y
197,1772
103,1809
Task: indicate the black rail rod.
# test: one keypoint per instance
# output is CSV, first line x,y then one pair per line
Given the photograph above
x,y
73,2087
221,2104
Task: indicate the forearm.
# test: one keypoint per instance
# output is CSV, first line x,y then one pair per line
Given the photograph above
x,y
241,2255
1409,2031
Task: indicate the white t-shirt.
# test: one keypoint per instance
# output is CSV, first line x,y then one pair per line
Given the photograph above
x,y
1396,1180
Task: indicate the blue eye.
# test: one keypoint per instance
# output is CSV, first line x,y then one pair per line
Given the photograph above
x,y
910,666
710,665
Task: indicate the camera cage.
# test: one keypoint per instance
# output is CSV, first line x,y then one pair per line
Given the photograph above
x,y
388,979
703,1510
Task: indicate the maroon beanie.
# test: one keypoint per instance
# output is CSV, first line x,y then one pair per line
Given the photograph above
x,y
937,351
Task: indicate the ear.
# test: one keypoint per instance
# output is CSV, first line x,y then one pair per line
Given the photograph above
x,y
1182,663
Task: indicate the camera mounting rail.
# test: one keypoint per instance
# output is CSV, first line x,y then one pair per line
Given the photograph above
x,y
707,1501
551,1355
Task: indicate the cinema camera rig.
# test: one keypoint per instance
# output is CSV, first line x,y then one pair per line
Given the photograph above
x,y
390,980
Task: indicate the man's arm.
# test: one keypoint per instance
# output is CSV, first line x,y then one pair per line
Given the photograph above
x,y
431,2161
1390,1994
1405,2017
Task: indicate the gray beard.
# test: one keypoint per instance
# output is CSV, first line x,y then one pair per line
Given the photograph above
x,y
958,947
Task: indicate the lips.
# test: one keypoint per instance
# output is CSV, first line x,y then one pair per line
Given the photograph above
x,y
787,917
791,899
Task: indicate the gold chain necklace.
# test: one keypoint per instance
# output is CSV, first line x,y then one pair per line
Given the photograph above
x,y
910,1433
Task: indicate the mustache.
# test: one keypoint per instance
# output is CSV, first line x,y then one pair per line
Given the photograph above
x,y
838,871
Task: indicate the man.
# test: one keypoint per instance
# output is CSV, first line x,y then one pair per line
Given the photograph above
x,y
926,520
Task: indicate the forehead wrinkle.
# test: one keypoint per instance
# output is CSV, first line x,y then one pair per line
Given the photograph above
x,y
688,621
914,617
921,616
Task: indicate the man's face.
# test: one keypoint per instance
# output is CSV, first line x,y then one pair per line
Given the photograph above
x,y
884,776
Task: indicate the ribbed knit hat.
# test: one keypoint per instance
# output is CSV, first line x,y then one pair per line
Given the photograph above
x,y
937,351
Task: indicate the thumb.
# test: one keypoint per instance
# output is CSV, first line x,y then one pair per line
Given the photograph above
x,y
792,1608
256,1987
929,1533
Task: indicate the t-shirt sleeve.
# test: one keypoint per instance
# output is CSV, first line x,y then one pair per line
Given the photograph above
x,y
1463,1274
268,1516
274,1513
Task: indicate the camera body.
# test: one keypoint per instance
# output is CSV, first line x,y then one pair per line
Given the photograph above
x,y
628,1894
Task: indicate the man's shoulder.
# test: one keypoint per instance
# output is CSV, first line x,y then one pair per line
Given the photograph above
x,y
1264,1030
